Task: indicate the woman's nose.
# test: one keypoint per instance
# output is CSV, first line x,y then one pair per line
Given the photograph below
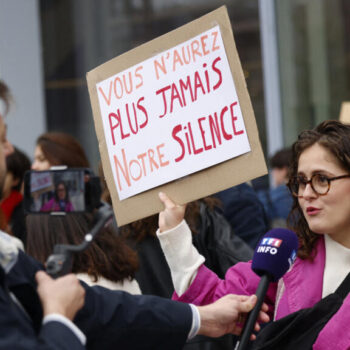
x,y
309,192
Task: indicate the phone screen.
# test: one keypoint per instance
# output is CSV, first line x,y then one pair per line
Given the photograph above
x,y
51,191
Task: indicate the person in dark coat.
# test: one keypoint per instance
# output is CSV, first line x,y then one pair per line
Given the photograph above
x,y
277,200
243,210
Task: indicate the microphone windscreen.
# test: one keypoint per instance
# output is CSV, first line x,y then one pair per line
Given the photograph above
x,y
275,253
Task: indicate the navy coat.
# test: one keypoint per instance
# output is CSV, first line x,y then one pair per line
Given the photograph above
x,y
109,319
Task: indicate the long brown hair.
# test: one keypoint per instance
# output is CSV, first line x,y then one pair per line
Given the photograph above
x,y
107,256
335,137
62,149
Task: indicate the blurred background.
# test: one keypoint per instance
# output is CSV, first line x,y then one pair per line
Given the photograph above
x,y
295,56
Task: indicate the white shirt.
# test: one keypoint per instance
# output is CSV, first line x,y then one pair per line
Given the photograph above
x,y
337,265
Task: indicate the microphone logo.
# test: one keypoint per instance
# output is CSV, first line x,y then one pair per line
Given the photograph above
x,y
292,258
269,245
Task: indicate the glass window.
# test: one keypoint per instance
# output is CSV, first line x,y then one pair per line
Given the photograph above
x,y
314,49
82,34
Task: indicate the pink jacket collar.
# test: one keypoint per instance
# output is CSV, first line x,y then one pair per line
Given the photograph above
x,y
303,284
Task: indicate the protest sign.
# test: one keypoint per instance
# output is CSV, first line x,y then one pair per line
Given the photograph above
x,y
174,115
345,113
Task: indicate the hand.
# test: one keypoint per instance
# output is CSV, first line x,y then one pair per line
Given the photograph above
x,y
227,315
64,295
172,215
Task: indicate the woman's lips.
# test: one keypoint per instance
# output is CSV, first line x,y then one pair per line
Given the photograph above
x,y
312,210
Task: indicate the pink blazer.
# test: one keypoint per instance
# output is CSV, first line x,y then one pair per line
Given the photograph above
x,y
299,288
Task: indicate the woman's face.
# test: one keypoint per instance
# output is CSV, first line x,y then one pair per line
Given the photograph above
x,y
40,162
61,192
328,214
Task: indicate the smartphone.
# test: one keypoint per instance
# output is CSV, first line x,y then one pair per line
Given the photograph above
x,y
59,191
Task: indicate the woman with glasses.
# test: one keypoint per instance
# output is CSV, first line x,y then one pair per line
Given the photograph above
x,y
60,201
319,179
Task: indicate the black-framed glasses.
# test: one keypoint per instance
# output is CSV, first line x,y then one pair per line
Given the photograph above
x,y
318,182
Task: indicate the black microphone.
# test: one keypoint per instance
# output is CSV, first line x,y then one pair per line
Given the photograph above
x,y
273,256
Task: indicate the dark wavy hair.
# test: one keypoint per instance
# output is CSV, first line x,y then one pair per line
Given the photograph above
x,y
107,256
335,137
17,164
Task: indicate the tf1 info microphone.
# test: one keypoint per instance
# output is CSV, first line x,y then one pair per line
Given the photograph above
x,y
274,255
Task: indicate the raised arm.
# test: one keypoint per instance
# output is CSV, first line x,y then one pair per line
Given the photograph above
x,y
194,282
176,241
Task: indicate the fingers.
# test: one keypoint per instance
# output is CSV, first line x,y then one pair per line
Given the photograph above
x,y
42,277
244,306
263,317
172,215
63,295
248,303
168,203
228,314
264,307
252,337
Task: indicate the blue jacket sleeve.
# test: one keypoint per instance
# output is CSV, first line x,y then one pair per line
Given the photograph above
x,y
17,331
112,319
118,320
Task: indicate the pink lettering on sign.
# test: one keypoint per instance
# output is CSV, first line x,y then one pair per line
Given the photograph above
x,y
189,89
130,121
122,85
222,126
184,55
173,114
132,170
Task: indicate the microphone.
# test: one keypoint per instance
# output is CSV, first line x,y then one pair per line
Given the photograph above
x,y
273,256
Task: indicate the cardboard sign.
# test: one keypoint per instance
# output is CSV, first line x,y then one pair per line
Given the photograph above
x,y
174,115
171,115
345,113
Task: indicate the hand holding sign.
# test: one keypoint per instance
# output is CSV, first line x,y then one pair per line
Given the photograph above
x,y
172,215
174,115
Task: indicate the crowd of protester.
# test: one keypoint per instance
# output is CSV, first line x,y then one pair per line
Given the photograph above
x,y
38,312
216,237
